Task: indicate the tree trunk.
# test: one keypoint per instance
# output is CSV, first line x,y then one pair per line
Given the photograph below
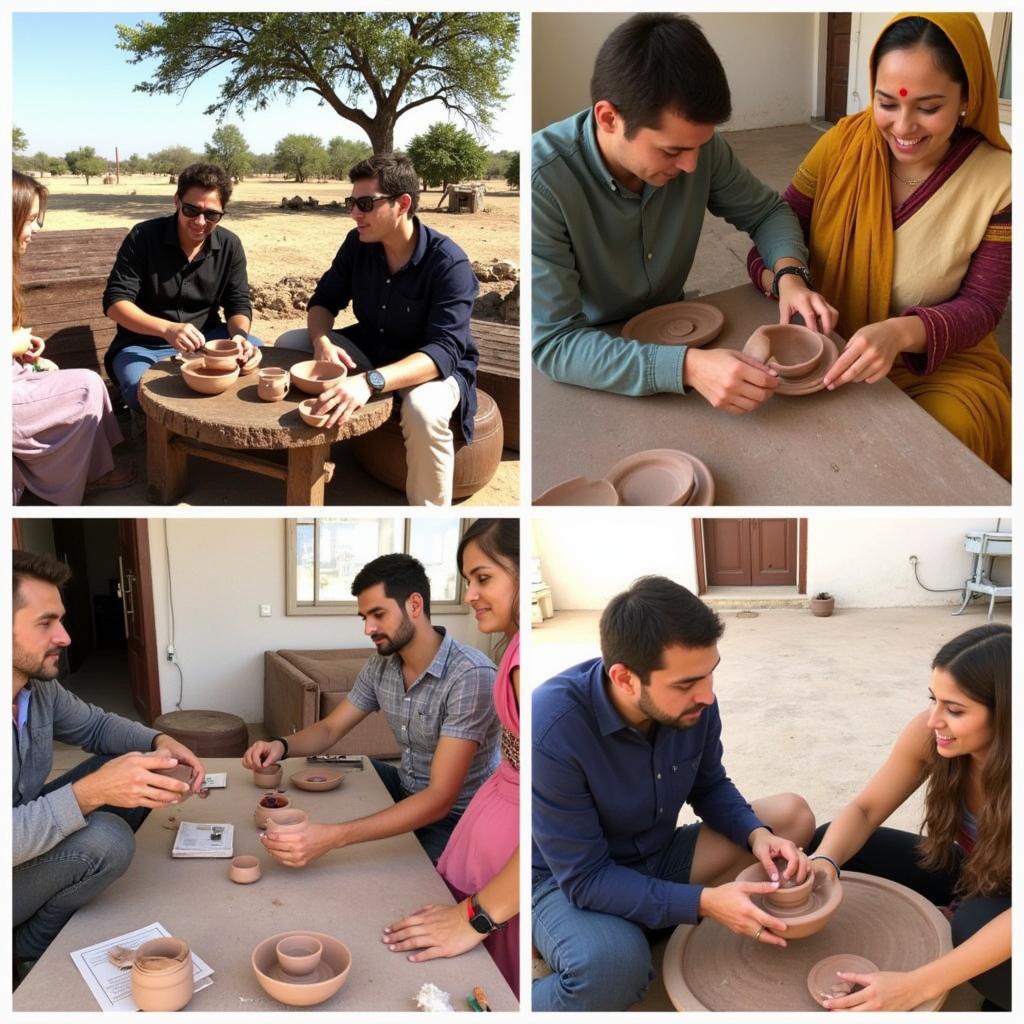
x,y
382,135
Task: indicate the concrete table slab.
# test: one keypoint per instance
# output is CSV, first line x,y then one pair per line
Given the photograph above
x,y
181,422
350,893
861,445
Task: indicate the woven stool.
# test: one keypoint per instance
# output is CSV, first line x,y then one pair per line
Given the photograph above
x,y
206,733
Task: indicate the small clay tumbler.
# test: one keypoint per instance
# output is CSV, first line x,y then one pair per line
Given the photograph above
x,y
790,893
299,954
273,384
221,354
245,870
267,777
291,819
162,975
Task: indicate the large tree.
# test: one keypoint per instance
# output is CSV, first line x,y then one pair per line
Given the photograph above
x,y
301,156
84,161
369,68
19,140
229,151
343,154
512,171
444,153
173,159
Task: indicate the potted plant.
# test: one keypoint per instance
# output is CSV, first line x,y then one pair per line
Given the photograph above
x,y
823,604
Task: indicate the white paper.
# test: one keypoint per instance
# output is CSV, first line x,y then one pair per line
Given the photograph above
x,y
216,780
112,986
195,839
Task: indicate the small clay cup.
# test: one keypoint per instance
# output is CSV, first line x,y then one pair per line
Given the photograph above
x,y
181,772
299,954
162,975
291,819
309,417
262,813
267,777
273,384
789,893
221,355
793,351
822,981
245,870
314,376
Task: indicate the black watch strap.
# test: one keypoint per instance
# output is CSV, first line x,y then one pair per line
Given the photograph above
x,y
376,381
283,742
801,272
480,920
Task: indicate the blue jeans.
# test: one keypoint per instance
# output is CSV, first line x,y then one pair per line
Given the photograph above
x,y
433,837
133,361
49,888
599,962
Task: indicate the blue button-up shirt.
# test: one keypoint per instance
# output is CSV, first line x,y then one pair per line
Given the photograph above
x,y
606,797
424,306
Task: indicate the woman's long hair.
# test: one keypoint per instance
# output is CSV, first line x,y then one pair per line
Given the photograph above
x,y
498,539
23,189
979,662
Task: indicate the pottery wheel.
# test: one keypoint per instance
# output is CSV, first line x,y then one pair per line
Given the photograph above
x,y
322,972
662,476
708,967
814,381
677,323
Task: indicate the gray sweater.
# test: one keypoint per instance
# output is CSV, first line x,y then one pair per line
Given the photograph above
x,y
41,822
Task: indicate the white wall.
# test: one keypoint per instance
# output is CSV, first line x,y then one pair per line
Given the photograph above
x,y
222,570
769,59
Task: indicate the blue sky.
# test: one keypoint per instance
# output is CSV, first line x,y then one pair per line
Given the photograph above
x,y
60,111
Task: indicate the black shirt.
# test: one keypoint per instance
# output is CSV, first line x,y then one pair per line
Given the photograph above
x,y
152,271
424,306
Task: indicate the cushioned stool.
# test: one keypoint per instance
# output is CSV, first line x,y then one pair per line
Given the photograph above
x,y
206,733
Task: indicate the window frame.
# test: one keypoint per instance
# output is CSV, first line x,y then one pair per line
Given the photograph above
x,y
999,47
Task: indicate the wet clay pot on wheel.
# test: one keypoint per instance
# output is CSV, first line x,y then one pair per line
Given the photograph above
x,y
793,351
273,384
302,989
162,975
822,982
315,376
245,870
806,909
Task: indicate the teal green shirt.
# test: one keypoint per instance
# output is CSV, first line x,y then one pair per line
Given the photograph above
x,y
602,253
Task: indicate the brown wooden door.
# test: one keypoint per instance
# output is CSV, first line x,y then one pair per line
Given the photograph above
x,y
750,552
837,66
69,547
139,620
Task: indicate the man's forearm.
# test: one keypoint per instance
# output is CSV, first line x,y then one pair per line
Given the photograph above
x,y
314,739
319,322
126,314
422,808
239,323
414,369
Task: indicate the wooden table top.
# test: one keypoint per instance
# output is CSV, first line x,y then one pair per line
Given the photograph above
x,y
864,444
239,418
351,894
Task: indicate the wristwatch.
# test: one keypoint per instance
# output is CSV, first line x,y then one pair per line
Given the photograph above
x,y
802,272
376,381
479,919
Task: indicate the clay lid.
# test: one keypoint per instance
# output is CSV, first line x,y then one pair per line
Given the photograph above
x,y
304,990
579,491
677,323
316,375
822,982
317,780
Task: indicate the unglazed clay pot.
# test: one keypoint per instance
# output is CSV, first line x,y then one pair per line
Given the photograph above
x,y
822,982
804,915
222,354
273,384
245,870
162,975
579,491
309,417
291,819
317,780
316,375
267,777
272,803
790,349
305,989
181,772
207,381
790,895
299,954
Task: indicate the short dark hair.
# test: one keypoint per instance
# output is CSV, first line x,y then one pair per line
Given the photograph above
x,y
657,62
207,177
653,614
396,175
908,33
402,576
31,565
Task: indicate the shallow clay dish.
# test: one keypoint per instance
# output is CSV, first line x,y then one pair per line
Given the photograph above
x,y
316,376
677,323
253,363
790,349
303,990
317,780
245,870
821,979
579,491
662,476
306,412
207,381
808,915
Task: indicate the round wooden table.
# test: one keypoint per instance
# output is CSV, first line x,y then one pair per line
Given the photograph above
x,y
223,428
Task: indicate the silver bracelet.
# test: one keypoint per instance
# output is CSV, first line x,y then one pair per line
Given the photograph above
x,y
825,856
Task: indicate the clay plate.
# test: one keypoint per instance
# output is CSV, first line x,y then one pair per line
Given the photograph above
x,y
822,975
662,476
316,376
303,990
677,323
330,778
579,491
207,381
814,381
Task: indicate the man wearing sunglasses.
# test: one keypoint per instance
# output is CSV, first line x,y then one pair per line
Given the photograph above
x,y
172,277
412,292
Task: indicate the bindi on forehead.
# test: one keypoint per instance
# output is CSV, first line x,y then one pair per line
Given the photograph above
x,y
903,92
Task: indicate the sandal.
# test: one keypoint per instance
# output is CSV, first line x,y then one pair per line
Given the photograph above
x,y
118,478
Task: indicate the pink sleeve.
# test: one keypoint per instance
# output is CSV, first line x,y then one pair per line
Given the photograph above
x,y
801,205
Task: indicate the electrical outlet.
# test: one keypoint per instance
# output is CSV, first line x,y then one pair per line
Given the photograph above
x,y
170,652
913,559
264,611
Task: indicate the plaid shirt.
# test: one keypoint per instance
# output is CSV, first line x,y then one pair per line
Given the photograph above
x,y
453,697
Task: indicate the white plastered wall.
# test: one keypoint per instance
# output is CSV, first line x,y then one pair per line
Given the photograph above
x,y
770,59
222,571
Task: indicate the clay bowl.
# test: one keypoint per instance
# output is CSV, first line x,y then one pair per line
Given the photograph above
x,y
207,381
579,491
181,772
252,364
267,778
162,975
317,780
273,384
299,954
316,376
302,990
822,981
790,894
221,355
291,819
264,810
809,915
245,870
306,411
660,476
790,349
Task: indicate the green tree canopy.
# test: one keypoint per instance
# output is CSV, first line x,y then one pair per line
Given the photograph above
x,y
84,161
173,160
229,150
135,164
301,156
512,171
40,161
58,165
262,163
387,63
444,153
343,154
19,140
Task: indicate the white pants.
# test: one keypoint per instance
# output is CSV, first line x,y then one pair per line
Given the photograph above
x,y
426,411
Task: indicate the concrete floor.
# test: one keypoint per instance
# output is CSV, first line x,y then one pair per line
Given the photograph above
x,y
810,705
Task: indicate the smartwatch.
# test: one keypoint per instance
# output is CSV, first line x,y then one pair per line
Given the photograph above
x,y
376,381
479,919
802,272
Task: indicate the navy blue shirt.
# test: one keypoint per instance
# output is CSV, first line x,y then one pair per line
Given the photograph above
x,y
606,797
424,306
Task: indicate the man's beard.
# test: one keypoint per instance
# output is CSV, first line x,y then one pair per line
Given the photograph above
x,y
653,712
402,635
36,669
